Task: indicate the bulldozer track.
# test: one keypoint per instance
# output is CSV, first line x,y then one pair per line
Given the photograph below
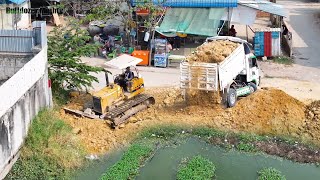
x,y
127,105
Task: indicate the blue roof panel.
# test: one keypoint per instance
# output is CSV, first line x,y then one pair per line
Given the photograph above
x,y
191,3
12,1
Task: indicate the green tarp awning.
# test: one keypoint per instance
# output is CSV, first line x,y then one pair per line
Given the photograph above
x,y
197,21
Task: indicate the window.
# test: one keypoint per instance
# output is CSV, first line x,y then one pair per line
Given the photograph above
x,y
246,48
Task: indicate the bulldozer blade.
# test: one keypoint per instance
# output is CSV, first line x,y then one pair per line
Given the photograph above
x,y
81,113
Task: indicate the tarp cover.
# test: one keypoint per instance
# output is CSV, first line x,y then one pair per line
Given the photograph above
x,y
241,15
197,21
123,61
266,6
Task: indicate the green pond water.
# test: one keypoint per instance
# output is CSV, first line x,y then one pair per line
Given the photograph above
x,y
230,165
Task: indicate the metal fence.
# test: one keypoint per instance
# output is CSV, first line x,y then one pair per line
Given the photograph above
x,y
22,41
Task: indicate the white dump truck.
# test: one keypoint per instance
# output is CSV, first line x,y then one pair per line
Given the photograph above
x,y
237,75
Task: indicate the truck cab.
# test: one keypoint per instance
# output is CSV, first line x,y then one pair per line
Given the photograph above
x,y
251,71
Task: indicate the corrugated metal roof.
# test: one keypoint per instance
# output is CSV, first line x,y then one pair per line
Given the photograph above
x,y
191,3
16,41
266,6
12,1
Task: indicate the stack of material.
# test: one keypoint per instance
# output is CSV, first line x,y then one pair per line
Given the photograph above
x,y
213,52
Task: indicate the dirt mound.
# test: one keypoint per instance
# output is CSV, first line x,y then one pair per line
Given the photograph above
x,y
203,98
311,128
213,52
313,111
270,111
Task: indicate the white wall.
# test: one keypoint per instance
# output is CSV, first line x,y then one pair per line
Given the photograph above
x,y
22,97
7,20
22,81
25,21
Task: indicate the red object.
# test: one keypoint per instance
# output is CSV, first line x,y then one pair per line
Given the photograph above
x,y
142,54
49,83
142,12
267,44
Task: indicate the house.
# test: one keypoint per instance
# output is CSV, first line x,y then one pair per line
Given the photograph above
x,y
9,19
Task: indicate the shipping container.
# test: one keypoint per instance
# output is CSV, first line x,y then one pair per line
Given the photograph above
x,y
267,42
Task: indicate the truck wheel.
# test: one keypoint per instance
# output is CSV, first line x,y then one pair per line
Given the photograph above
x,y
231,97
253,87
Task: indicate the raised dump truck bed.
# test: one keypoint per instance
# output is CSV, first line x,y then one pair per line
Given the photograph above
x,y
238,72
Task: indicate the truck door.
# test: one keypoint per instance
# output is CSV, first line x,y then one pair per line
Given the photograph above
x,y
253,70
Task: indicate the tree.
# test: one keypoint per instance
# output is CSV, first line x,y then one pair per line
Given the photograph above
x,y
156,13
65,47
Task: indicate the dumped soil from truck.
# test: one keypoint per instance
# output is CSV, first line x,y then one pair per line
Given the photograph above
x,y
311,128
213,52
266,112
204,98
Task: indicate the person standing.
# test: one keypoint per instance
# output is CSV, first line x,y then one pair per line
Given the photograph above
x,y
232,31
177,42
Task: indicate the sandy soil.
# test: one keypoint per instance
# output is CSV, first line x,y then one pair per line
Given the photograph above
x,y
268,111
213,52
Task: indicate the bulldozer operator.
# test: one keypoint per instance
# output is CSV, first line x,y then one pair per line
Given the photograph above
x,y
124,79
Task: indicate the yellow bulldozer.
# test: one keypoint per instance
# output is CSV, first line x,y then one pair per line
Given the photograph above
x,y
119,100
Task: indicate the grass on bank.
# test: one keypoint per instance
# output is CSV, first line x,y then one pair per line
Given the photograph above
x,y
128,166
243,141
197,168
50,151
270,174
283,60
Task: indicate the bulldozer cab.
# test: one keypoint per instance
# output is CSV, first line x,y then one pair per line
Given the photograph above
x,y
135,83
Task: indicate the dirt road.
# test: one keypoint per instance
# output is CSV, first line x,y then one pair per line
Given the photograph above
x,y
304,23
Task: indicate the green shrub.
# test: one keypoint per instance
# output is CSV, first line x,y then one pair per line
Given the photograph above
x,y
283,60
208,132
162,132
247,147
270,174
128,166
50,152
198,168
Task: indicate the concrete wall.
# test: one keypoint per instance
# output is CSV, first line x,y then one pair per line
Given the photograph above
x,y
10,64
22,97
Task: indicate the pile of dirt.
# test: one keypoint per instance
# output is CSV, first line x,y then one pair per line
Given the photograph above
x,y
79,100
311,128
203,98
313,111
213,52
269,111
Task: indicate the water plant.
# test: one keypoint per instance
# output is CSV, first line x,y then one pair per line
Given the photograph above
x,y
197,168
128,166
270,174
